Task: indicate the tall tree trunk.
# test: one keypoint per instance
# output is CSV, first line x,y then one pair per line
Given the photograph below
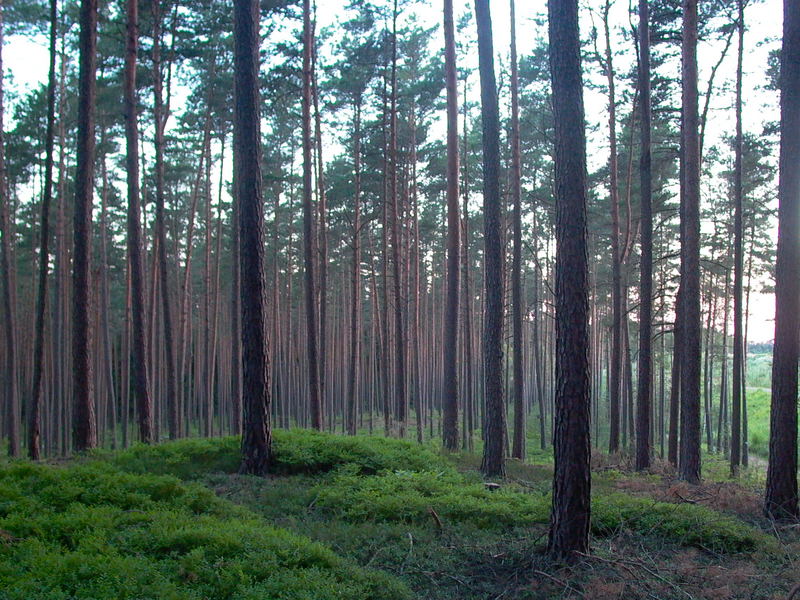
x,y
450,399
644,383
691,326
144,404
569,522
399,300
322,233
738,264
467,294
781,494
256,387
6,264
675,385
494,419
355,315
160,116
308,229
236,329
518,448
34,414
615,375
84,426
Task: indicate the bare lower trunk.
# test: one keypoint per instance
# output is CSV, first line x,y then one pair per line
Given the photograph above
x,y
256,387
494,419
84,426
450,387
569,522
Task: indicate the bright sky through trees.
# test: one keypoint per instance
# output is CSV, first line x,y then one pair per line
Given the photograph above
x,y
26,66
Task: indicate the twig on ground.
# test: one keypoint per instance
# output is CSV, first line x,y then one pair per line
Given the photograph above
x,y
435,518
560,582
642,566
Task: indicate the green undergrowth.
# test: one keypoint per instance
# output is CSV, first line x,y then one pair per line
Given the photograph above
x,y
295,451
363,478
91,531
339,517
414,498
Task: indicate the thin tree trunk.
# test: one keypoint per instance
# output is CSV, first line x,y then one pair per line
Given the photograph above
x,y
144,404
34,415
450,388
399,325
616,262
84,426
160,116
308,229
494,420
355,315
518,449
738,264
644,382
322,234
689,464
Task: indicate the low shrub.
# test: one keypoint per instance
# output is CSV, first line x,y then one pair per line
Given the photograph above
x,y
406,496
295,451
93,532
687,524
409,497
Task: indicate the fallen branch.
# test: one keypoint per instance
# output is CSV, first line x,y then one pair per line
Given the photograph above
x,y
435,518
623,563
561,583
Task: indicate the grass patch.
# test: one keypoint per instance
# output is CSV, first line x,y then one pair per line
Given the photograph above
x,y
758,407
92,531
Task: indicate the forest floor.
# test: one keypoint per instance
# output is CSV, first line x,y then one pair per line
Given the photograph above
x,y
373,518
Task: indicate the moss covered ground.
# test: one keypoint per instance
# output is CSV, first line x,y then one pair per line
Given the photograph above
x,y
368,517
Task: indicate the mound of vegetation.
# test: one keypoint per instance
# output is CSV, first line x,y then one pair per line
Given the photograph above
x,y
296,451
145,523
386,480
93,531
440,498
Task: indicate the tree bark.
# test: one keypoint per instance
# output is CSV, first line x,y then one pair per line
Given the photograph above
x,y
34,415
256,386
160,116
781,499
615,376
450,399
569,522
144,404
691,326
355,315
518,447
84,426
312,313
738,264
494,253
644,384
401,401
